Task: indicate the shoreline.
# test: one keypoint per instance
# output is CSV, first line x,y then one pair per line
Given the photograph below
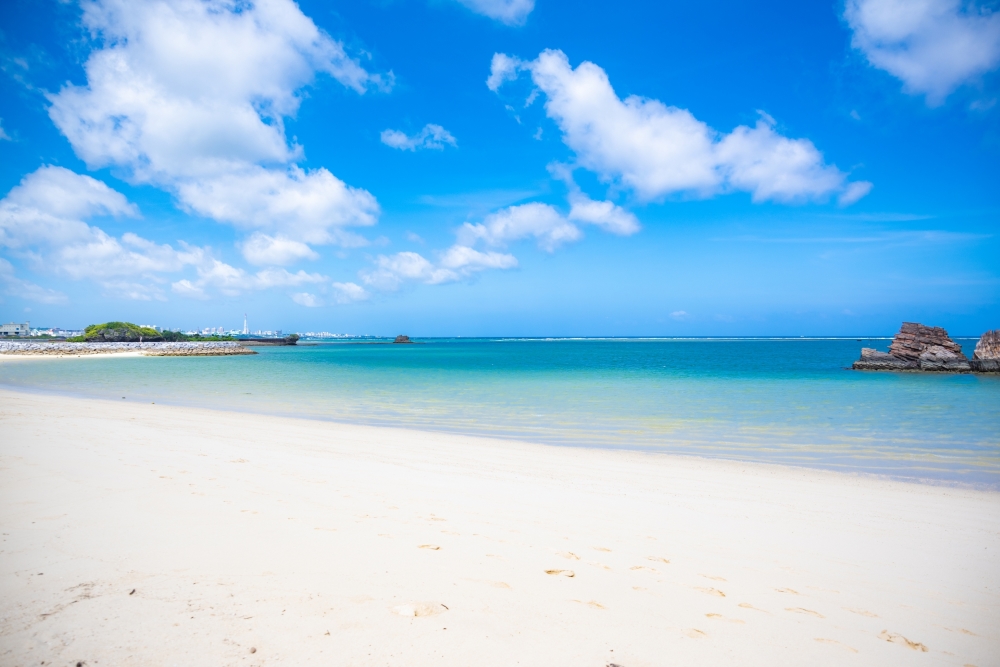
x,y
241,531
841,470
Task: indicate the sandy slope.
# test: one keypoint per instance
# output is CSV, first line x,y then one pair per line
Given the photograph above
x,y
254,540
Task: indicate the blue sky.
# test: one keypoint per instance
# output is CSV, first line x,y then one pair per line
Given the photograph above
x,y
501,167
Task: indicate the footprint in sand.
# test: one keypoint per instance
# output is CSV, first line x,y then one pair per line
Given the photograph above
x,y
787,590
602,549
747,605
800,610
711,591
644,568
835,642
657,559
593,604
893,638
565,573
569,554
432,547
596,564
720,617
862,612
695,633
708,576
420,609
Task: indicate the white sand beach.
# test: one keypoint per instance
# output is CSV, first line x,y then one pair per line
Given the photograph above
x,y
139,534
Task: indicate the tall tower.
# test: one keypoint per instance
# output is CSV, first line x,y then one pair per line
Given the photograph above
x,y
245,329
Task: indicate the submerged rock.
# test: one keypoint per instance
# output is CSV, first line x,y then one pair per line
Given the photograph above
x,y
873,360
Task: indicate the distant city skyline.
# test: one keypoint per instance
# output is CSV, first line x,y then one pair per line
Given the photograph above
x,y
546,167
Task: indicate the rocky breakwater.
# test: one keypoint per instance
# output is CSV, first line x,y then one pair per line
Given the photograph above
x,y
60,349
921,348
986,358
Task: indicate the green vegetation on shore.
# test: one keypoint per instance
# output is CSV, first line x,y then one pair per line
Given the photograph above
x,y
128,332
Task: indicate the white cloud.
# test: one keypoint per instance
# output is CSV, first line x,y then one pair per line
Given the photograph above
x,y
503,68
932,46
605,214
392,270
231,280
306,206
679,315
657,150
541,221
432,136
306,299
510,12
854,192
463,261
457,262
264,250
43,219
349,292
191,96
188,289
283,278
14,286
3,135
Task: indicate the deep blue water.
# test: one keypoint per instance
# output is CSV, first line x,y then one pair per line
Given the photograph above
x,y
788,401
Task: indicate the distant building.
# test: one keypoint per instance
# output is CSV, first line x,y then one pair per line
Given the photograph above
x,y
15,329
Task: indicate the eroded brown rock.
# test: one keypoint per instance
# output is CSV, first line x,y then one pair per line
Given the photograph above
x,y
914,339
988,346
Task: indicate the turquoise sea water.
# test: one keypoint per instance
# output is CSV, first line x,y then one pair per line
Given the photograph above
x,y
777,400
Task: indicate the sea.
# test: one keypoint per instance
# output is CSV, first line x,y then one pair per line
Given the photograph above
x,y
791,401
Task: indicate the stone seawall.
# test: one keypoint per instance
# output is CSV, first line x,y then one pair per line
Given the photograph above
x,y
207,349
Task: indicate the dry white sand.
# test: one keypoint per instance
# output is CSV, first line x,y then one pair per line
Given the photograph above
x,y
253,540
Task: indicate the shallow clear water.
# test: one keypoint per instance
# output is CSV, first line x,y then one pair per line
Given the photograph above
x,y
786,400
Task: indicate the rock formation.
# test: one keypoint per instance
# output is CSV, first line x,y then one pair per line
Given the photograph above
x,y
988,346
160,349
914,339
917,348
986,358
402,339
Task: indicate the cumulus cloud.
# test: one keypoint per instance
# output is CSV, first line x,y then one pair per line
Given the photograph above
x,y
349,292
932,46
192,96
43,219
264,250
232,281
540,221
432,136
605,214
306,299
455,263
658,150
543,223
510,12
